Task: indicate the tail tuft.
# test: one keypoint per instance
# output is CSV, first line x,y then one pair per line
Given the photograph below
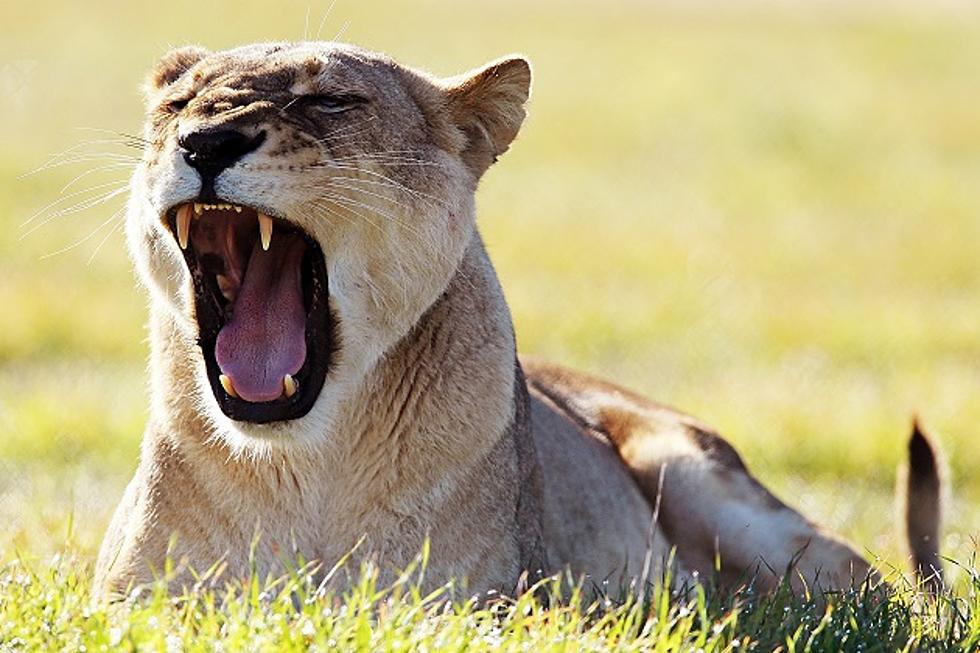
x,y
923,507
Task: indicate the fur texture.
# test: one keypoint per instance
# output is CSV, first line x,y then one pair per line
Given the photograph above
x,y
426,426
922,493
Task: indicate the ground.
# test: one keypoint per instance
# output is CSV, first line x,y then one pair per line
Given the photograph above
x,y
763,216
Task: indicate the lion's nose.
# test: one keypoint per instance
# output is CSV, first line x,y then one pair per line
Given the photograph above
x,y
210,152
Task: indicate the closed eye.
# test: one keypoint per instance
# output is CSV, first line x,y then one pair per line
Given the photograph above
x,y
176,106
332,104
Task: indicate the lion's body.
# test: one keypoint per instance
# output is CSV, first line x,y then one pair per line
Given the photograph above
x,y
428,425
533,488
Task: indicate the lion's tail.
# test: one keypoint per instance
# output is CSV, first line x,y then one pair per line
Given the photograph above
x,y
923,490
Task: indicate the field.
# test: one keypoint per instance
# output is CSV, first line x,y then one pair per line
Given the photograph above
x,y
767,217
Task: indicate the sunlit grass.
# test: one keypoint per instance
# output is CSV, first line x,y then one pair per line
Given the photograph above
x,y
46,606
765,217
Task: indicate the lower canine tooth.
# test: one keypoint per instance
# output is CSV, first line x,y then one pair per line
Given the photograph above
x,y
227,385
183,225
226,287
265,230
289,385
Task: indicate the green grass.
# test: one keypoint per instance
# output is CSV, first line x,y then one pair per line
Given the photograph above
x,y
765,217
49,609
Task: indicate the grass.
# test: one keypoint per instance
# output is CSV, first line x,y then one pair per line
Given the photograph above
x,y
764,216
50,610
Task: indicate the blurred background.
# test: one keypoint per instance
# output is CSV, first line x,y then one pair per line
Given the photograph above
x,y
764,214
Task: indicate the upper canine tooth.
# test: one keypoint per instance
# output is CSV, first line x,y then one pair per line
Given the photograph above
x,y
289,385
198,208
265,230
183,225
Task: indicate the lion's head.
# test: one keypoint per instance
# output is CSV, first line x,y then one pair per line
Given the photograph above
x,y
298,209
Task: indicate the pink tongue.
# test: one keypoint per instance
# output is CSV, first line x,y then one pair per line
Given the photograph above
x,y
265,339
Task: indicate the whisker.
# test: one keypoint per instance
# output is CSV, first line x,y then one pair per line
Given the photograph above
x,y
126,135
81,206
338,140
290,103
324,19
96,141
394,183
116,214
389,159
345,203
396,152
348,202
340,32
83,156
323,210
108,166
334,184
103,241
338,200
68,197
340,131
345,131
80,157
378,296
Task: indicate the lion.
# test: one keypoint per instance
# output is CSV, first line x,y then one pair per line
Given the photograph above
x,y
333,367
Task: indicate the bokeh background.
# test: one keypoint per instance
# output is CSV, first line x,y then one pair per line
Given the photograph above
x,y
765,214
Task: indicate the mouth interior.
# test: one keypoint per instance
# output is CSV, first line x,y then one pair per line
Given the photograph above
x,y
261,306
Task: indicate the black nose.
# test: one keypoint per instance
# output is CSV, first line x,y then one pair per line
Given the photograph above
x,y
210,152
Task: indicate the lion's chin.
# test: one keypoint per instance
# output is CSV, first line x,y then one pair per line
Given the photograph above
x,y
261,304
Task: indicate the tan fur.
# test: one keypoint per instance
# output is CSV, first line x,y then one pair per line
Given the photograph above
x,y
711,508
426,427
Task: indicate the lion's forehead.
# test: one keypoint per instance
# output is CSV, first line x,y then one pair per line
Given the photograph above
x,y
254,85
293,69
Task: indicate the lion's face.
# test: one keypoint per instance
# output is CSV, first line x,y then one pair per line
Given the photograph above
x,y
298,210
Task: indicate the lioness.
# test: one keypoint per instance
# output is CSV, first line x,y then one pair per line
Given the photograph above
x,y
332,357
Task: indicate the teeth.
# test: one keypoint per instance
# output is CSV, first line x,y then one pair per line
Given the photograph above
x,y
200,208
289,385
183,225
226,287
227,385
265,230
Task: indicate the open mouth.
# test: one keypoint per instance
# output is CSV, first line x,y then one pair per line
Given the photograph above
x,y
261,302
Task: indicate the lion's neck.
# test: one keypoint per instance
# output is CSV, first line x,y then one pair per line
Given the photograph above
x,y
435,405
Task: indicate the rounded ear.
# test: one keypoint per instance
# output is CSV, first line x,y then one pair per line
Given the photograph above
x,y
487,105
174,64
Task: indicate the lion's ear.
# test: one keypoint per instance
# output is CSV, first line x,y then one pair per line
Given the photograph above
x,y
174,64
488,106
